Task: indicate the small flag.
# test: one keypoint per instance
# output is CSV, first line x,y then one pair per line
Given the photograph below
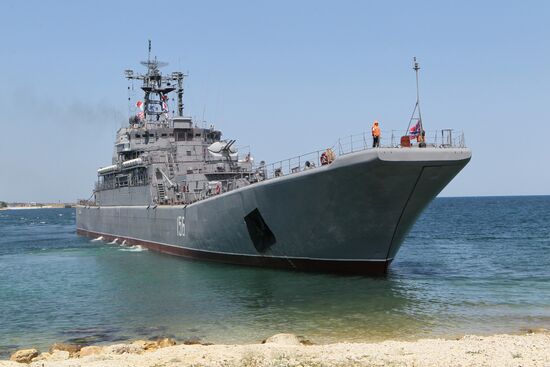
x,y
139,104
414,131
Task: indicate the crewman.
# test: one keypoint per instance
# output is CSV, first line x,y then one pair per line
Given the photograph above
x,y
421,139
330,155
375,135
327,157
324,159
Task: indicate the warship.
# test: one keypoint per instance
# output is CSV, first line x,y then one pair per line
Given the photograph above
x,y
176,187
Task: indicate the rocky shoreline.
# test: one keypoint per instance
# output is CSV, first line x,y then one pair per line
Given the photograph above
x,y
530,349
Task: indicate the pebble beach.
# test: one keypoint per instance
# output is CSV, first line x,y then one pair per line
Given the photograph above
x,y
530,349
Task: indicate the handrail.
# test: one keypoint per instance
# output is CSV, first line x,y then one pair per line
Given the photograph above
x,y
445,138
442,139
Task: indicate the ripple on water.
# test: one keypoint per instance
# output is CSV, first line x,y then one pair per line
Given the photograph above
x,y
7,350
466,267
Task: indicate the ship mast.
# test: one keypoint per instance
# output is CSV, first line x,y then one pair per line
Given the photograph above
x,y
418,119
156,88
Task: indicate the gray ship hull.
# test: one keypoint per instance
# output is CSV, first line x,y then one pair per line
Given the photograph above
x,y
350,216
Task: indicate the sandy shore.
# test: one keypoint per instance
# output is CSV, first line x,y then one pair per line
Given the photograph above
x,y
286,350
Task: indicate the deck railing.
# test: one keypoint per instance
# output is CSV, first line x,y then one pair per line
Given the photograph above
x,y
446,138
442,139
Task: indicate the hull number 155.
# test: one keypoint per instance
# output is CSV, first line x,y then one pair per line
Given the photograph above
x,y
180,227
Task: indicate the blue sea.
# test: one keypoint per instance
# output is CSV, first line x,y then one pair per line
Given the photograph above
x,y
469,265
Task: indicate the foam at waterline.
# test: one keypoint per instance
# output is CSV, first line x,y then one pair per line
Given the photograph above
x,y
113,242
136,248
100,238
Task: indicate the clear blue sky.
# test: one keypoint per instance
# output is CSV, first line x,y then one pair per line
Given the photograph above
x,y
285,77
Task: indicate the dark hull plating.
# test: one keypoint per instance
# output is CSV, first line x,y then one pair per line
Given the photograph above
x,y
349,217
328,266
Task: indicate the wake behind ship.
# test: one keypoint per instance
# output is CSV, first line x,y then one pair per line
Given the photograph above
x,y
181,189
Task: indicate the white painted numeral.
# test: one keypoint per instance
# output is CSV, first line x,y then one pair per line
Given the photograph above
x,y
180,227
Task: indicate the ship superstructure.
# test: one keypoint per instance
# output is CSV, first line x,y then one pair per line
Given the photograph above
x,y
178,188
164,159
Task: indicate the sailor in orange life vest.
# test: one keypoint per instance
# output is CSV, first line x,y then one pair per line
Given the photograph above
x,y
375,135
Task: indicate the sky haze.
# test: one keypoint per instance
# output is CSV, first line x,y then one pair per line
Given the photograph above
x,y
284,77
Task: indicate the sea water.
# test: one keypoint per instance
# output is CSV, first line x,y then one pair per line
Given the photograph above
x,y
469,265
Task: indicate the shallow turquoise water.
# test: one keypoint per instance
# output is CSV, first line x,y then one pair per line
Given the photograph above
x,y
470,265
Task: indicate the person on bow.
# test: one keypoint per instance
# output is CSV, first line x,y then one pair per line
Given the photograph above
x,y
375,135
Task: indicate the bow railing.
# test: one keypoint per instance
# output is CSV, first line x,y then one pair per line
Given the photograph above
x,y
445,138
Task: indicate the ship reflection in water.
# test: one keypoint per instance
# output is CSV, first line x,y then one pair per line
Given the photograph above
x,y
225,303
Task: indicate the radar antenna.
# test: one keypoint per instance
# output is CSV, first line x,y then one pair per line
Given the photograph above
x,y
418,118
156,88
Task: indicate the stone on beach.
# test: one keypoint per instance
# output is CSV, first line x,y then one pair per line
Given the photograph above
x,y
56,355
192,341
146,344
283,339
122,349
71,348
24,355
91,350
59,355
44,356
166,342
